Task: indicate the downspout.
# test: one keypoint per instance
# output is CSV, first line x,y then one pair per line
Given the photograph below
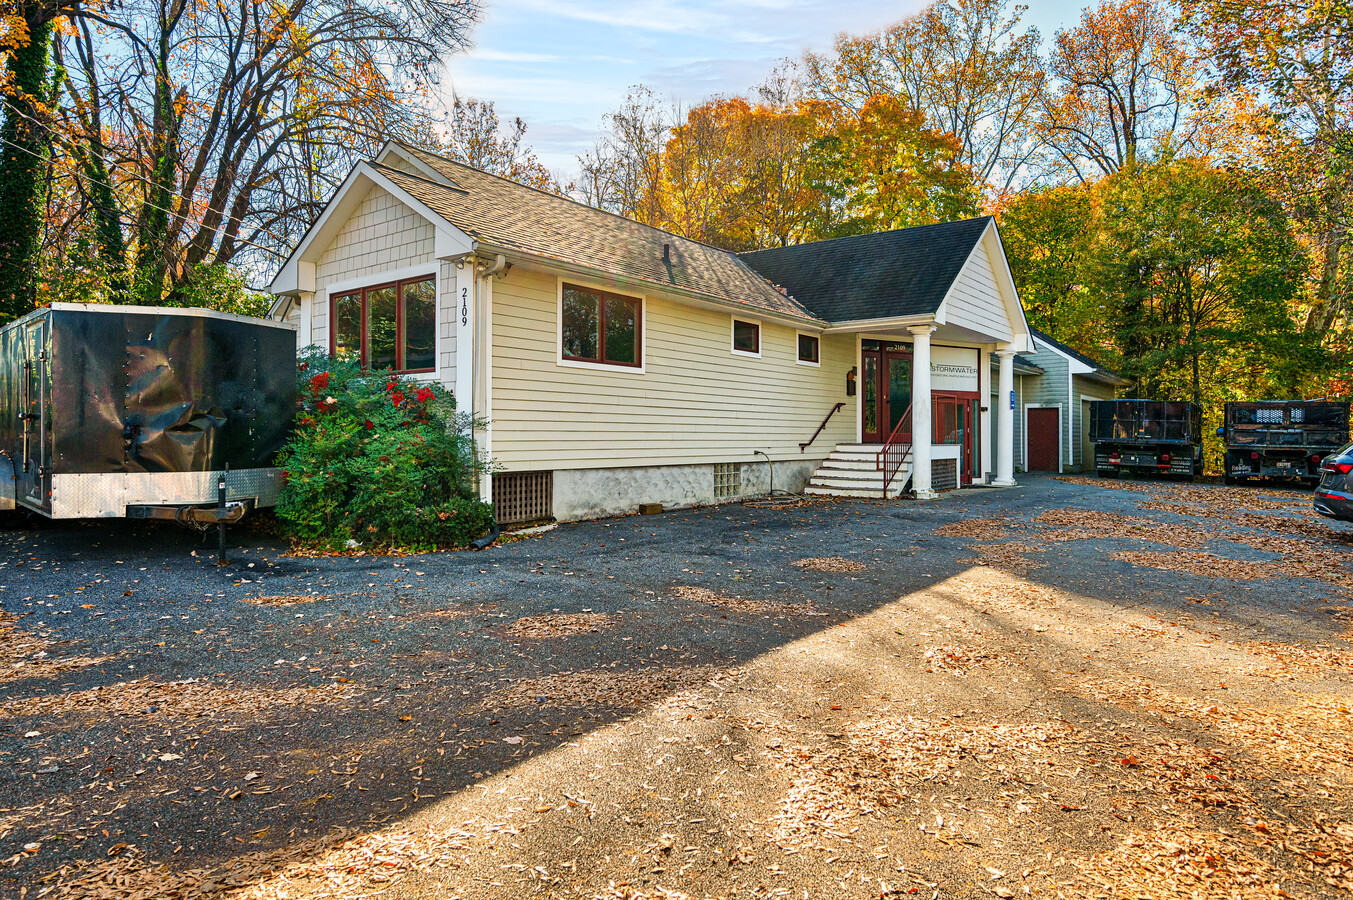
x,y
499,265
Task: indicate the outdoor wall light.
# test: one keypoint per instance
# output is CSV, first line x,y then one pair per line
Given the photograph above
x,y
850,381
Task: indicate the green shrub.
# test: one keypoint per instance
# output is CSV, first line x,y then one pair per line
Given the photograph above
x,y
377,459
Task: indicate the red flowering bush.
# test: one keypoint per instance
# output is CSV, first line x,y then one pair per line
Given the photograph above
x,y
379,460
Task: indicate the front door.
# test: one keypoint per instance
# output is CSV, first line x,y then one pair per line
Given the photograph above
x,y
885,386
1044,438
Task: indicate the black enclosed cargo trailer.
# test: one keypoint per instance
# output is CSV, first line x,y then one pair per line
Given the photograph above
x,y
110,411
1147,436
1281,439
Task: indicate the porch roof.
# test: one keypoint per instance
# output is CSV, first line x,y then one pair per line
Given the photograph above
x,y
887,275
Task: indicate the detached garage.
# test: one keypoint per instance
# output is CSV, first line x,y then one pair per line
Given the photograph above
x,y
1053,389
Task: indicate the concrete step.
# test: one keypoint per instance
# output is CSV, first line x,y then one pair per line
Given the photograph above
x,y
849,492
847,462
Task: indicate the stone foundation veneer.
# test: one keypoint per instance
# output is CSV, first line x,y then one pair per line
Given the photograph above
x,y
597,493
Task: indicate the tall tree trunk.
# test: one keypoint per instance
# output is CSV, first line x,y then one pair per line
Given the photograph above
x,y
24,151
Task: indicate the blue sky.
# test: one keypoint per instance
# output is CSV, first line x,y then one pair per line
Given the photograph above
x,y
563,64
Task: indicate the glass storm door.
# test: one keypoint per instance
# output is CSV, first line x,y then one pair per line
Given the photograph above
x,y
870,407
898,395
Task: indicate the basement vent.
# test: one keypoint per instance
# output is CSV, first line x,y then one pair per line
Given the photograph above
x,y
944,474
727,480
523,497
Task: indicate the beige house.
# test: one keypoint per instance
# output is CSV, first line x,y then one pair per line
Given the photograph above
x,y
615,364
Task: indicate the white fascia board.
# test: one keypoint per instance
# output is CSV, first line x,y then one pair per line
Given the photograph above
x,y
393,148
298,272
1005,283
1076,366
854,325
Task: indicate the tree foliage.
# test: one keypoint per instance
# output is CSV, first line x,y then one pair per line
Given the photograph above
x,y
183,136
476,137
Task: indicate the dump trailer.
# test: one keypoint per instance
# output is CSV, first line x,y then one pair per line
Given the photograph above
x,y
1161,436
143,412
1281,439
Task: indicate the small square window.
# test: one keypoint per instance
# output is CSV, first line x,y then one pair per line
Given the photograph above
x,y
727,480
747,337
809,348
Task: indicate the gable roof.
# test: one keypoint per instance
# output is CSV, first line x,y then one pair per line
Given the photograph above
x,y
1058,347
509,216
890,274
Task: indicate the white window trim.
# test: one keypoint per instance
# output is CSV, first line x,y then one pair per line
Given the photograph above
x,y
1061,425
613,368
431,270
804,362
760,336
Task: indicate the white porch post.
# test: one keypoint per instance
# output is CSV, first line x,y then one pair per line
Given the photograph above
x,y
920,412
1005,436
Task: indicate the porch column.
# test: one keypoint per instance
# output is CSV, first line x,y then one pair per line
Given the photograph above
x,y
1005,431
920,412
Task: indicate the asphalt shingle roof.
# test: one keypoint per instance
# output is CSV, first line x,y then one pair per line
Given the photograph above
x,y
511,216
873,276
1069,351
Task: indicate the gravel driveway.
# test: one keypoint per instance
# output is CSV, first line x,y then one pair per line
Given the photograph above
x,y
1046,689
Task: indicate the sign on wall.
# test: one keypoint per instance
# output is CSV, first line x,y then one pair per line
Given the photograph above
x,y
953,369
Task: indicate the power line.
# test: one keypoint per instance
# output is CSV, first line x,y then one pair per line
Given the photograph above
x,y
239,240
136,177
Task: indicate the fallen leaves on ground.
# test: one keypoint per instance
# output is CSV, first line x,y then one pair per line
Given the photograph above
x,y
180,699
1206,565
287,600
24,655
697,594
1182,860
979,529
829,564
1008,556
560,625
622,689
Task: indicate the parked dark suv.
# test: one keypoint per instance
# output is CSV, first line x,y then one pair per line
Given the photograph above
x,y
1334,494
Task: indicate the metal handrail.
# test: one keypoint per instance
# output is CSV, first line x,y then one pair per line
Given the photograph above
x,y
804,446
894,453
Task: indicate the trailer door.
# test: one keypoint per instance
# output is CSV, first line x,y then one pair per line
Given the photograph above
x,y
34,472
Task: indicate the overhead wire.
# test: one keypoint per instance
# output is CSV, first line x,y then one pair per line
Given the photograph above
x,y
142,180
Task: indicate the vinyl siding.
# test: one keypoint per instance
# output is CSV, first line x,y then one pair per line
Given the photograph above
x,y
1096,390
696,402
384,236
1048,389
974,301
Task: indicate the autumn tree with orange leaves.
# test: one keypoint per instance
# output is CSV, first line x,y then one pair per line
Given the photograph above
x,y
187,137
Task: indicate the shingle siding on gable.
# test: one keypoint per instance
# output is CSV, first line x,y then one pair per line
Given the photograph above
x,y
696,403
383,236
974,301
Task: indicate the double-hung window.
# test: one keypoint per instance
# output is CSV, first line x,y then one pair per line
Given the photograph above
x,y
601,327
388,326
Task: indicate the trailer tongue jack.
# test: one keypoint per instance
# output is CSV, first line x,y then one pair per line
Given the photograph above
x,y
200,517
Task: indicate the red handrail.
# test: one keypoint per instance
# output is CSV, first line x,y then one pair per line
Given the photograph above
x,y
804,446
894,451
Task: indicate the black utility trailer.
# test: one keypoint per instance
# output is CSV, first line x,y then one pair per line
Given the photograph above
x,y
1162,436
1281,439
143,412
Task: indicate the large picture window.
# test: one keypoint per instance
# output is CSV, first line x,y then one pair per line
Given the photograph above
x,y
601,327
388,326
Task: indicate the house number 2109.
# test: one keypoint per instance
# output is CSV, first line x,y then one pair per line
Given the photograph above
x,y
464,306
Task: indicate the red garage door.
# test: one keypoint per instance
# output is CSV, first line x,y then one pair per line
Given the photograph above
x,y
1044,438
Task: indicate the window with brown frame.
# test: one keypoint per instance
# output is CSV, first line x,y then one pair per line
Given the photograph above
x,y
387,326
746,337
601,327
809,348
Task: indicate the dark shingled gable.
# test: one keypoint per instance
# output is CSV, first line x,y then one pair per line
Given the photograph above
x,y
511,216
1072,352
873,276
